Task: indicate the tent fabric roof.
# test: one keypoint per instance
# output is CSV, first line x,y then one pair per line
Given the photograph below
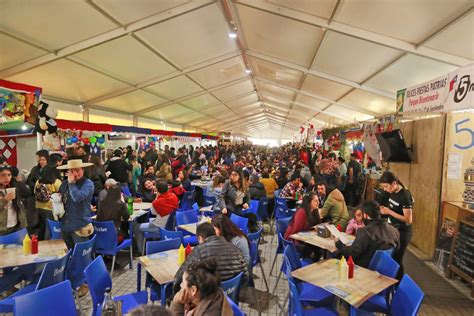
x,y
324,62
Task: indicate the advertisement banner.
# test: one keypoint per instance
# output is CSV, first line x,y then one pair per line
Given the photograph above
x,y
443,94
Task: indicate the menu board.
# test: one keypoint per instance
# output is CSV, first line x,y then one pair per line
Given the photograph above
x,y
463,250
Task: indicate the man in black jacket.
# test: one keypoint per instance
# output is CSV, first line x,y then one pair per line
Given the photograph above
x,y
118,168
257,189
377,235
229,258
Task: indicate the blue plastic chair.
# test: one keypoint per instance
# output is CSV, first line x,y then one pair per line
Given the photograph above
x,y
13,238
296,308
209,200
407,299
161,291
376,257
106,241
99,279
235,308
379,303
253,208
54,229
53,300
170,234
281,226
81,257
262,210
231,287
241,222
187,217
254,243
53,272
187,201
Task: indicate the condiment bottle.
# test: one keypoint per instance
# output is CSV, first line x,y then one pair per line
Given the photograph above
x,y
339,227
34,244
343,269
130,205
187,250
350,265
27,245
181,255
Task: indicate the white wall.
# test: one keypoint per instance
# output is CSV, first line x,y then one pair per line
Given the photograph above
x,y
26,149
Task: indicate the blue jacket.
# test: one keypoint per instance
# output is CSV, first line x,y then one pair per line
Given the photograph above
x,y
77,204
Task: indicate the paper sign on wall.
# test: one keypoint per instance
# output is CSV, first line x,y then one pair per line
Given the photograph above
x,y
454,165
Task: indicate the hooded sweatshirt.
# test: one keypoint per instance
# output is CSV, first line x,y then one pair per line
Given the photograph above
x,y
336,209
165,203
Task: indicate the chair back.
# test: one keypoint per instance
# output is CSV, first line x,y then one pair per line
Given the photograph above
x,y
387,266
295,303
106,235
407,299
291,254
232,287
54,272
376,257
186,217
13,238
262,211
81,257
235,308
169,234
188,200
162,245
54,229
254,241
282,211
53,300
281,226
209,200
98,279
241,222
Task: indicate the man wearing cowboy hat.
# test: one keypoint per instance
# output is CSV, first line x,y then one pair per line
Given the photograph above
x,y
76,192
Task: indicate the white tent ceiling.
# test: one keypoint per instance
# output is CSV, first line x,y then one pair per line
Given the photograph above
x,y
312,61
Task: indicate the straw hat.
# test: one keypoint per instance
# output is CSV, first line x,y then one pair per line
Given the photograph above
x,y
75,164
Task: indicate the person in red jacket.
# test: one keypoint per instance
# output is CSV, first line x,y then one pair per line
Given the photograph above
x,y
303,220
165,203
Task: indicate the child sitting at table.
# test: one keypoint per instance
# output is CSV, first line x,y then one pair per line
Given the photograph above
x,y
113,208
355,223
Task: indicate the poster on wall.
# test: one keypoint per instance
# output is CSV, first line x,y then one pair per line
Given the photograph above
x,y
8,150
451,92
371,144
18,104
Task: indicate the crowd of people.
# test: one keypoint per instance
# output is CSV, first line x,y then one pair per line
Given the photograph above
x,y
321,186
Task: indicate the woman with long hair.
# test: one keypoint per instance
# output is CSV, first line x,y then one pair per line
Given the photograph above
x,y
47,184
136,173
12,214
226,228
303,220
112,208
235,194
399,212
97,174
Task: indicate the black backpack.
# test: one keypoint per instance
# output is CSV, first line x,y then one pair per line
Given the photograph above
x,y
42,193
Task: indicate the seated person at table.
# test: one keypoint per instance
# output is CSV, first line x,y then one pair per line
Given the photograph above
x,y
108,184
334,208
229,258
290,189
113,208
177,189
355,223
184,178
200,293
303,220
214,188
377,235
256,188
148,191
164,204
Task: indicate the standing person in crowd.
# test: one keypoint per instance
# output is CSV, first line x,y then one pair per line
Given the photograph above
x,y
270,187
27,198
179,163
400,212
329,168
353,176
119,169
12,214
224,227
235,194
47,184
136,174
149,172
165,203
377,235
229,258
342,178
256,188
165,172
303,220
35,173
334,208
76,192
97,174
200,293
282,180
113,208
148,191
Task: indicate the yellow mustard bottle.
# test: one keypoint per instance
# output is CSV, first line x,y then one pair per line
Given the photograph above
x,y
181,255
343,269
27,245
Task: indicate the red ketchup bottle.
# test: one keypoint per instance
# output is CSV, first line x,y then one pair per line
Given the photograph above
x,y
34,244
350,265
339,227
187,251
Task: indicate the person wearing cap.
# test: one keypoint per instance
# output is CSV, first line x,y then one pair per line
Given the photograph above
x,y
76,192
107,185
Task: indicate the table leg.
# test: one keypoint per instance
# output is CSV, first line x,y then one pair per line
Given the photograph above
x,y
139,277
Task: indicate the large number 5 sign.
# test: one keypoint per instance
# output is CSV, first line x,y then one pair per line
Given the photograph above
x,y
466,131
